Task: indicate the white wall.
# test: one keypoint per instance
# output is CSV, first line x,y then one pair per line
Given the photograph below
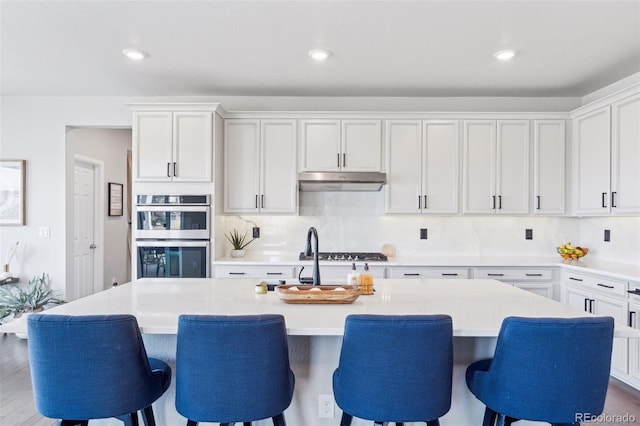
x,y
109,146
34,129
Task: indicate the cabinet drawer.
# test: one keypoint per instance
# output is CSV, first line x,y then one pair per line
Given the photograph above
x,y
274,272
513,274
428,272
595,282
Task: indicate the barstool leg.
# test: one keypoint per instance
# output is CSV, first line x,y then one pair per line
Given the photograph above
x,y
346,419
192,423
130,419
147,416
489,417
435,422
278,420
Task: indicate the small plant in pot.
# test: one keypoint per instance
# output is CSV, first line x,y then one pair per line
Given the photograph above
x,y
239,242
33,298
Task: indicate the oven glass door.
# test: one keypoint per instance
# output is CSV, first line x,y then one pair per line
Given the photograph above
x,y
189,222
173,259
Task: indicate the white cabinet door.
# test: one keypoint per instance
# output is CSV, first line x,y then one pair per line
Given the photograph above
x,y
548,167
241,166
192,146
618,309
404,166
479,173
153,146
512,174
440,167
634,344
278,180
625,156
592,168
320,145
361,147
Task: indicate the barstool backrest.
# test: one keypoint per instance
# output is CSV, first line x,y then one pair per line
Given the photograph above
x,y
549,369
232,368
89,367
395,367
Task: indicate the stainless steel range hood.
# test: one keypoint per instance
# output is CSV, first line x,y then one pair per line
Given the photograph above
x,y
341,181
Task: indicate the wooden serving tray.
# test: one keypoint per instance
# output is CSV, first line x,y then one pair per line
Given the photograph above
x,y
325,293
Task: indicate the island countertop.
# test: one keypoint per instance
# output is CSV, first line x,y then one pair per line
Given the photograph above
x,y
476,306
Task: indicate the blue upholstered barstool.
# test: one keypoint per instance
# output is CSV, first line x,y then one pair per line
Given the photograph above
x,y
395,368
233,369
553,370
93,367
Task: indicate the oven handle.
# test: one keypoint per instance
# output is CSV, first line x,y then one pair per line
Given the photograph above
x,y
172,243
170,209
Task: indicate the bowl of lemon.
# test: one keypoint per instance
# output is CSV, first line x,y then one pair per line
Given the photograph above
x,y
567,251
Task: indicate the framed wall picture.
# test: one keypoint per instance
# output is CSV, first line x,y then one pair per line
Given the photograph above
x,y
12,192
115,199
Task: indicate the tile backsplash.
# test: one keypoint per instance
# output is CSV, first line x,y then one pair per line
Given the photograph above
x,y
356,222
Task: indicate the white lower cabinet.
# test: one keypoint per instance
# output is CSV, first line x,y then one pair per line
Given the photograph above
x,y
408,272
535,280
601,296
634,344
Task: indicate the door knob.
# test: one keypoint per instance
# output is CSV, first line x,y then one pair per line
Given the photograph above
x,y
92,246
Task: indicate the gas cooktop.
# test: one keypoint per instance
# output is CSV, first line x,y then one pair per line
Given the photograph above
x,y
348,256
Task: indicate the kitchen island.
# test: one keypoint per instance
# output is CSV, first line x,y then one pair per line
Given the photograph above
x,y
476,306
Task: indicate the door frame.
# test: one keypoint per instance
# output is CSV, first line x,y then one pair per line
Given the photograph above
x,y
98,218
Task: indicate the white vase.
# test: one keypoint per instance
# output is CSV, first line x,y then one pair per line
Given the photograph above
x,y
237,253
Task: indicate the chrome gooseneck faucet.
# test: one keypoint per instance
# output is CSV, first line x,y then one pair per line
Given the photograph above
x,y
307,252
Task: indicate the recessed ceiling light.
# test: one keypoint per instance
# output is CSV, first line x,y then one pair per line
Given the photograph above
x,y
134,54
319,54
504,55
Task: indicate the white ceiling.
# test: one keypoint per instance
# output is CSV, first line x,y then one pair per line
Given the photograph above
x,y
380,48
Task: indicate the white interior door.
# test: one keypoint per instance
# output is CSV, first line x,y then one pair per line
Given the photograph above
x,y
83,231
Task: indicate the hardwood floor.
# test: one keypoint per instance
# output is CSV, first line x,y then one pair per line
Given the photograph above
x,y
17,407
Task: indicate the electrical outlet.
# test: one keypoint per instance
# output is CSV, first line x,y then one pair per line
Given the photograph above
x,y
326,406
607,235
256,232
423,233
528,234
44,232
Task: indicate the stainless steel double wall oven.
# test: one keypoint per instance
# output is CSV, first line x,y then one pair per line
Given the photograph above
x,y
173,236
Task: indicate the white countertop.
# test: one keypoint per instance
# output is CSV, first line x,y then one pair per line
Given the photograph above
x,y
613,269
476,306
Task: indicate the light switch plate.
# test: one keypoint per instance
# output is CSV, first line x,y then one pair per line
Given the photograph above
x,y
44,232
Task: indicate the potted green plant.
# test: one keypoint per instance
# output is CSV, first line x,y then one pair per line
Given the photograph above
x,y
239,242
33,298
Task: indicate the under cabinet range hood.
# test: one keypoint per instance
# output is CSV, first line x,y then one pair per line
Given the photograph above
x,y
341,181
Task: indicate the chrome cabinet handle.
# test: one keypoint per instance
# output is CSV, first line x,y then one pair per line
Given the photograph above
x,y
344,160
425,201
236,273
175,169
576,279
444,274
168,169
604,194
419,203
496,275
411,275
338,158
538,202
613,199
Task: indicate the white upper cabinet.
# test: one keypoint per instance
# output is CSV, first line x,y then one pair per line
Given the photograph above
x,y
548,167
592,133
173,146
625,156
422,166
340,145
259,166
606,158
496,167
